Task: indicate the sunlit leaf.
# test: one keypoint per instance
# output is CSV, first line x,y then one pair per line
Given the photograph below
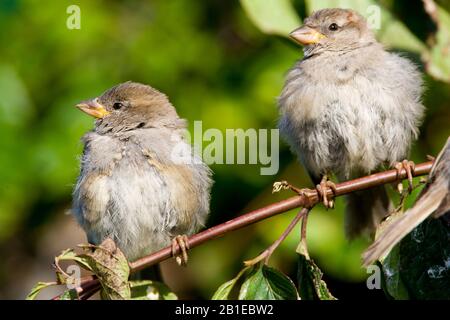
x,y
437,61
266,283
151,290
225,290
272,16
70,255
38,288
69,295
111,267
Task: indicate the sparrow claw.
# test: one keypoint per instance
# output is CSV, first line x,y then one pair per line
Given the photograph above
x,y
323,188
180,246
409,167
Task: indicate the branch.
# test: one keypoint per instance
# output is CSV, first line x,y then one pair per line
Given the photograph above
x,y
308,199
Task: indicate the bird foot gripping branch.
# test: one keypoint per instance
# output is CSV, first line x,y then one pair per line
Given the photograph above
x,y
409,167
323,189
180,247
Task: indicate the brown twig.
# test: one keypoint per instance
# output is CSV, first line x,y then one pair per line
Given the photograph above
x,y
304,200
266,254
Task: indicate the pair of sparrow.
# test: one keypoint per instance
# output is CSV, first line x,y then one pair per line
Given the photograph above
x,y
347,108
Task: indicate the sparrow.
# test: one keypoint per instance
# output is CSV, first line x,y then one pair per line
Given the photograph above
x,y
348,108
133,186
434,201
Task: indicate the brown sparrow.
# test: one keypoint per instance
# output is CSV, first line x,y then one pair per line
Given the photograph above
x,y
131,187
349,107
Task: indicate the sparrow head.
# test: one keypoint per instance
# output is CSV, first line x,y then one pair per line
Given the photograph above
x,y
130,106
333,30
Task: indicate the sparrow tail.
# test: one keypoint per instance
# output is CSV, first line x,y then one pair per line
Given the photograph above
x,y
365,210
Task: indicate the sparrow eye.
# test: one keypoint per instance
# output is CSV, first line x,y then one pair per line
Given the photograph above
x,y
333,27
117,105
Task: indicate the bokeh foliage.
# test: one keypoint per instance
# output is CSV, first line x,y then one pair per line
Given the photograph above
x,y
216,66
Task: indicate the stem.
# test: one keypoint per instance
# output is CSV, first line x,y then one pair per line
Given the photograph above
x,y
302,214
89,292
266,254
303,233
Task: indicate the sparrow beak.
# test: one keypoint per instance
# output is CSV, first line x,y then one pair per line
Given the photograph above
x,y
93,108
306,35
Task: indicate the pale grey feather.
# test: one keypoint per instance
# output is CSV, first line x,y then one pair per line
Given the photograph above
x,y
349,107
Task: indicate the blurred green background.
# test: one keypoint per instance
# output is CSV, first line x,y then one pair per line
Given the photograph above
x,y
218,63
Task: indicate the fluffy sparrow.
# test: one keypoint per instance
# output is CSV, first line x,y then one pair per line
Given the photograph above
x,y
349,107
131,187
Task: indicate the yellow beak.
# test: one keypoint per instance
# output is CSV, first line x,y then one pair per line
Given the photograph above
x,y
93,108
306,35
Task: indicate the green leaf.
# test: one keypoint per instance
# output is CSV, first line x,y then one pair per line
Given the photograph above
x,y
391,31
266,283
69,295
224,291
70,255
37,288
424,260
111,267
151,290
306,288
437,61
392,282
309,278
311,285
272,16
